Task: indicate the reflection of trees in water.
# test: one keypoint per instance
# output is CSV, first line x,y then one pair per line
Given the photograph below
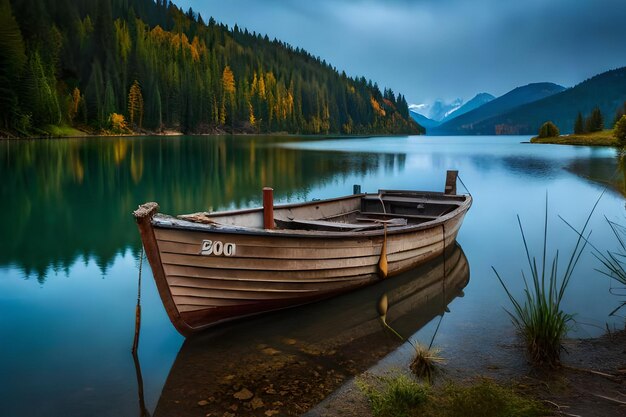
x,y
528,165
606,171
620,181
64,199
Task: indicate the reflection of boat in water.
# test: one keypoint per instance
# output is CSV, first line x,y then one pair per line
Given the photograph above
x,y
289,361
213,267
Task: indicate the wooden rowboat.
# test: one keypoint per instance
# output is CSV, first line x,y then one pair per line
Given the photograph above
x,y
214,267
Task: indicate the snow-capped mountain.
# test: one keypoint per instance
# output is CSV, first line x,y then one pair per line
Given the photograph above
x,y
438,110
478,100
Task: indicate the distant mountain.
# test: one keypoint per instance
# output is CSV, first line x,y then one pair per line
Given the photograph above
x,y
438,110
467,123
479,100
606,90
419,108
423,120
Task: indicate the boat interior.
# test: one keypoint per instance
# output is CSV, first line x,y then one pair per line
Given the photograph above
x,y
393,208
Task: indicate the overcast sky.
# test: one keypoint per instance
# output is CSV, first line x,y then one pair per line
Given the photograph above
x,y
429,49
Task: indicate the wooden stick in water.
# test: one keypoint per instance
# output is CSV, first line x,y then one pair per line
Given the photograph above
x,y
138,307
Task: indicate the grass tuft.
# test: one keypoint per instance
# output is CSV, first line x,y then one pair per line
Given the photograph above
x,y
402,397
486,399
425,363
538,315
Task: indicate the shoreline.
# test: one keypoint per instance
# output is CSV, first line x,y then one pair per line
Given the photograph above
x,y
218,134
602,138
593,370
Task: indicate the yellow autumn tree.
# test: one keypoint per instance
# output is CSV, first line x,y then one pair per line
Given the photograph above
x,y
135,104
261,87
228,86
74,104
228,80
251,117
117,123
377,108
254,89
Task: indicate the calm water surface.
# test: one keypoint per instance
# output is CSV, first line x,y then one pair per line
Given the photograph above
x,y
69,250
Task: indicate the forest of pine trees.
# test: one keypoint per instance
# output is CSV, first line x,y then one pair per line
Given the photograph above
x,y
106,65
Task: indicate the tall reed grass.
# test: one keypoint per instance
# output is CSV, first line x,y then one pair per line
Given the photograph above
x,y
613,262
538,315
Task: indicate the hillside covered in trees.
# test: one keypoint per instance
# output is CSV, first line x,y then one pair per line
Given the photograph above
x,y
605,92
117,65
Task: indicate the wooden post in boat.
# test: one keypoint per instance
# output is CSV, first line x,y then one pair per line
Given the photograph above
x,y
268,208
451,182
356,189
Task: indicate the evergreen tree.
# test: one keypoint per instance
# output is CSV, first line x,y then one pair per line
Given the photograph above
x,y
135,104
95,95
43,100
105,39
595,121
579,125
620,131
12,61
621,111
109,105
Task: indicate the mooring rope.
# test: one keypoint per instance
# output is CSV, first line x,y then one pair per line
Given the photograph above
x,y
383,269
464,186
380,198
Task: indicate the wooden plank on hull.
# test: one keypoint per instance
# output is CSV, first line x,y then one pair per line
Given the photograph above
x,y
268,276
280,241
238,295
264,286
224,262
268,252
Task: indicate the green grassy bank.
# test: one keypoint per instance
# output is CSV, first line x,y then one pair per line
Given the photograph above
x,y
602,138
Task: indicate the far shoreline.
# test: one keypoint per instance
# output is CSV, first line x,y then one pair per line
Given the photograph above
x,y
602,138
216,134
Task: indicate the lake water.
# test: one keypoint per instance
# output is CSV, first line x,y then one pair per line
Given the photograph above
x,y
69,253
